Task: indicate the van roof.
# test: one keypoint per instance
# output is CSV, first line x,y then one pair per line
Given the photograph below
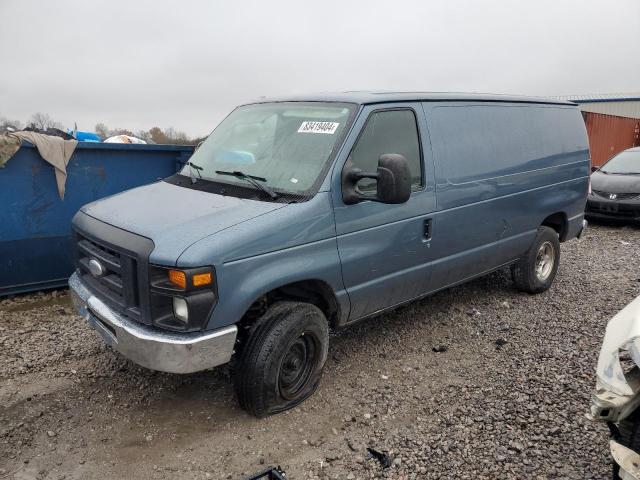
x,y
367,97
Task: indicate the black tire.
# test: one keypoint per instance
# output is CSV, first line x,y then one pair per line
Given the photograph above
x,y
527,273
628,434
281,364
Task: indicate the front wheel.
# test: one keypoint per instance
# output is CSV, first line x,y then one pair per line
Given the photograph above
x,y
536,270
281,364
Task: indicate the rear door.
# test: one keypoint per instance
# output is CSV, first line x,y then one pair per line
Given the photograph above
x,y
385,249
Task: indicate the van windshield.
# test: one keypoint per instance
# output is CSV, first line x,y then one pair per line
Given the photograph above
x,y
627,162
286,146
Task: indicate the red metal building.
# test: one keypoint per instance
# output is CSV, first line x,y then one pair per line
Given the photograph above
x,y
612,120
609,135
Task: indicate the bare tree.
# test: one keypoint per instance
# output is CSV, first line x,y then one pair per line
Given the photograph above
x,y
102,130
7,125
177,137
43,121
143,135
121,131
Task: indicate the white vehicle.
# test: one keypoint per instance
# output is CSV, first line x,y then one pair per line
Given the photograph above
x,y
617,394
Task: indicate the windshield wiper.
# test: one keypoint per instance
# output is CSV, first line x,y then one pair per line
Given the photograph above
x,y
253,180
197,168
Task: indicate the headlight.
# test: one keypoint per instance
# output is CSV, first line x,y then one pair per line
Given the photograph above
x,y
181,309
181,299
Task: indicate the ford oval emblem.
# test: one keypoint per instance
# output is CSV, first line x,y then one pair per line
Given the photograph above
x,y
96,268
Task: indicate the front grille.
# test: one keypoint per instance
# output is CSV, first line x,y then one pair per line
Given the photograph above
x,y
624,213
118,286
612,209
618,196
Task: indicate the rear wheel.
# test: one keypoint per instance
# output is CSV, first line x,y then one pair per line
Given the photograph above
x,y
281,364
536,270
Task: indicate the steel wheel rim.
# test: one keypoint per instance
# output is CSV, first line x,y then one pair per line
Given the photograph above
x,y
297,366
545,259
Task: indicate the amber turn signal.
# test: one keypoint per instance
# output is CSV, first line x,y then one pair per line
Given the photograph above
x,y
201,279
178,278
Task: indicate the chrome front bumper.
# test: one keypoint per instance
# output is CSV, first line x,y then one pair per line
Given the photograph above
x,y
150,347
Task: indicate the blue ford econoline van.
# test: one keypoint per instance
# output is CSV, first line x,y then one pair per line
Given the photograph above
x,y
301,214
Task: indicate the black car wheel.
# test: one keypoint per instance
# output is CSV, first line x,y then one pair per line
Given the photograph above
x,y
281,364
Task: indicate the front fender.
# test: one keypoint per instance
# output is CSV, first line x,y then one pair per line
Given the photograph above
x,y
241,282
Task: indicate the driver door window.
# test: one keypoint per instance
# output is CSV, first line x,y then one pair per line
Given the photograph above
x,y
388,131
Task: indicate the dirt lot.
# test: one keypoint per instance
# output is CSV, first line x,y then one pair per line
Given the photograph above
x,y
503,395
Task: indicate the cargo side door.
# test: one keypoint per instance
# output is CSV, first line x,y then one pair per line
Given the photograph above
x,y
490,163
385,249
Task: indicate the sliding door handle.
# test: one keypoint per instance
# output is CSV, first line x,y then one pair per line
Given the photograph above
x,y
426,233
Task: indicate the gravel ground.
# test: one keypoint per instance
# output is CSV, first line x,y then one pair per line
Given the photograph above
x,y
479,381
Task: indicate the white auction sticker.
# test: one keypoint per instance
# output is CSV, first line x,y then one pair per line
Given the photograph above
x,y
318,127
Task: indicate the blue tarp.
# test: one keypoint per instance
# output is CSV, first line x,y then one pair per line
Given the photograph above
x,y
87,137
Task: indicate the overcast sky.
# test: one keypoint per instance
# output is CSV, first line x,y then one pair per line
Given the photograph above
x,y
139,64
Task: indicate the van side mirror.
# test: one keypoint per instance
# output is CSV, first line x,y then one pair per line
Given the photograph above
x,y
594,169
393,178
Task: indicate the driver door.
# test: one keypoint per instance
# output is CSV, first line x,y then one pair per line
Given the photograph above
x,y
385,249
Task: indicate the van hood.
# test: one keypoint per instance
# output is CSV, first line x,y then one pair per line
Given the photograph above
x,y
615,183
174,217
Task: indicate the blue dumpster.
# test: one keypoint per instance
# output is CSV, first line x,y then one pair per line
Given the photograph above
x,y
35,224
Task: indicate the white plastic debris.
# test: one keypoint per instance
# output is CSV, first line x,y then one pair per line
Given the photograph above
x,y
125,139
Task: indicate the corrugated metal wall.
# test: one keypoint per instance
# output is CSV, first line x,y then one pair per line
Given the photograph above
x,y
629,109
609,135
